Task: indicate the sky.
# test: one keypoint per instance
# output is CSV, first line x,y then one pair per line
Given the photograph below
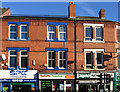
x,y
61,8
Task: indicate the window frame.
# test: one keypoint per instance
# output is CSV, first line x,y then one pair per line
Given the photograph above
x,y
97,65
87,26
62,32
23,32
12,56
12,32
62,59
96,33
51,32
23,56
48,60
86,60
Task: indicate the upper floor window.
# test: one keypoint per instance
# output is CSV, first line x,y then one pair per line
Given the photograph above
x,y
13,58
88,33
13,31
93,32
99,33
56,32
94,58
51,32
62,59
89,60
24,32
62,32
99,60
51,59
24,58
21,34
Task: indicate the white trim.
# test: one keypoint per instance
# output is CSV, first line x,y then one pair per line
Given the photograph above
x,y
51,32
61,32
94,41
59,59
12,32
93,50
48,62
9,58
23,32
23,56
93,25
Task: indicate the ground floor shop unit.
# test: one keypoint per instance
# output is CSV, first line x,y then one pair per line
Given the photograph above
x,y
18,80
92,82
116,82
56,82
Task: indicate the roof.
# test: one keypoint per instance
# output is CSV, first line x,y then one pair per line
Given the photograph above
x,y
78,18
3,10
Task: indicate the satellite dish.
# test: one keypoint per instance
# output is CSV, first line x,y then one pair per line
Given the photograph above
x,y
3,57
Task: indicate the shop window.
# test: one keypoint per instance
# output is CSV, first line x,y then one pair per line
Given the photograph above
x,y
51,32
13,32
99,59
62,59
51,59
13,58
99,33
62,32
89,60
24,59
24,32
88,33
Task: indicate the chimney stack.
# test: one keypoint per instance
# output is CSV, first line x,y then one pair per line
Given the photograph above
x,y
102,14
72,10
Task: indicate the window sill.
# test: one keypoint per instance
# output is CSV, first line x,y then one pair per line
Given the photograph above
x,y
97,41
93,69
56,68
56,40
18,67
18,39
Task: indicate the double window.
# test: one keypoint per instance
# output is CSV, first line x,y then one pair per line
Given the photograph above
x,y
90,60
56,35
23,59
14,32
93,32
62,62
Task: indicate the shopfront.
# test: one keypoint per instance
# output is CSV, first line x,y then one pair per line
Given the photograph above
x,y
116,82
56,82
90,82
18,80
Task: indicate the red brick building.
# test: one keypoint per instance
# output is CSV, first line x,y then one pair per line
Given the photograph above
x,y
53,45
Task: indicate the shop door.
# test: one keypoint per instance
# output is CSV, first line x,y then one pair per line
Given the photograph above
x,y
21,88
6,87
83,88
